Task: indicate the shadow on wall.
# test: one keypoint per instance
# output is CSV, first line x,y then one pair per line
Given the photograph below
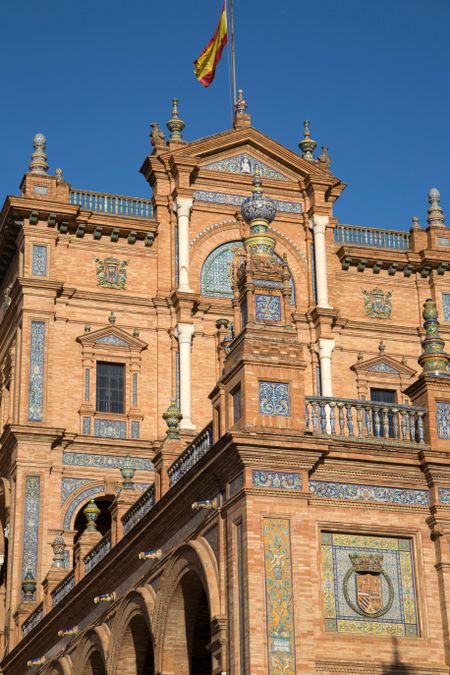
x,y
396,667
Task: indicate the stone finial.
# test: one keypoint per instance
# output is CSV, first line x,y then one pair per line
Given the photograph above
x,y
415,225
38,162
381,347
175,124
127,469
241,103
112,318
58,546
434,360
242,119
29,586
136,332
307,145
435,216
157,138
324,159
59,177
172,418
91,513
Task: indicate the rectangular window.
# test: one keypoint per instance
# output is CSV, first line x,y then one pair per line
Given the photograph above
x,y
110,387
388,396
237,404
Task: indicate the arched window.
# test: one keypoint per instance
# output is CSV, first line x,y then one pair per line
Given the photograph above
x,y
216,274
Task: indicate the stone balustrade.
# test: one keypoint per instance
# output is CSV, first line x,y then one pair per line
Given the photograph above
x,y
119,205
97,553
66,585
191,455
33,619
365,420
354,235
142,506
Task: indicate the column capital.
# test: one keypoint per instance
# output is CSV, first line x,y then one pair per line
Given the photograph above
x,y
183,206
319,223
185,331
325,347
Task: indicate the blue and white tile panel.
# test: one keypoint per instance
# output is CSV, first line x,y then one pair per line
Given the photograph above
x,y
236,200
369,493
31,525
37,363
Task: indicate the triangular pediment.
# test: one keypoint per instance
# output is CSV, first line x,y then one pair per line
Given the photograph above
x,y
113,337
245,163
384,364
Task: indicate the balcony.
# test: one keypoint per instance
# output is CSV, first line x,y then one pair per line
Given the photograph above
x,y
364,420
117,205
353,235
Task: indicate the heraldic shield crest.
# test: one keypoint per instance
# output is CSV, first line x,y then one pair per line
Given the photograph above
x,y
378,304
111,273
369,575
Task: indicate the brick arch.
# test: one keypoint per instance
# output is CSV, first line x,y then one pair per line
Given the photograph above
x,y
91,652
132,642
62,666
79,498
205,244
190,574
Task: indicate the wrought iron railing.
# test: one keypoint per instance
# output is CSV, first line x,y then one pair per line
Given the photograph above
x,y
191,455
97,553
31,621
368,236
119,205
364,419
66,585
141,506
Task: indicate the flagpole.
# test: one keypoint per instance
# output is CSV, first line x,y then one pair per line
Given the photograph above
x,y
233,56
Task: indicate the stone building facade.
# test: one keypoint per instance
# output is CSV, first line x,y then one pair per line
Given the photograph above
x,y
289,510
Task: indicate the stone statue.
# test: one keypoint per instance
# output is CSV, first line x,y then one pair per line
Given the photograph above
x,y
325,159
157,138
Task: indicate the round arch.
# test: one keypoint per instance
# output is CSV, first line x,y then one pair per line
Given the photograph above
x,y
187,601
132,643
79,499
62,666
91,653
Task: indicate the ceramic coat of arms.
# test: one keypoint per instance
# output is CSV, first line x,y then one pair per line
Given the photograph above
x,y
378,304
111,273
366,573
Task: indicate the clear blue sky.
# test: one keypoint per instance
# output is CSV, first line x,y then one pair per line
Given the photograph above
x,y
372,76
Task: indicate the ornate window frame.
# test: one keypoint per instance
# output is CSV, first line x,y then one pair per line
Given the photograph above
x,y
111,345
382,372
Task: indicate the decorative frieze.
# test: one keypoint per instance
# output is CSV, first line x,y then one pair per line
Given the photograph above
x,y
104,461
36,386
368,585
279,596
443,419
280,480
31,527
236,200
105,428
39,260
369,493
267,307
111,273
274,398
377,303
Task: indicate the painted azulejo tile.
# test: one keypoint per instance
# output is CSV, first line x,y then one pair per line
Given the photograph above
x,y
368,585
369,493
279,596
443,419
100,461
110,428
277,479
267,307
31,525
446,306
39,260
36,386
274,398
245,164
444,495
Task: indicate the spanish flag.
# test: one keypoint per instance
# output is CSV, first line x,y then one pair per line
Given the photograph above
x,y
205,65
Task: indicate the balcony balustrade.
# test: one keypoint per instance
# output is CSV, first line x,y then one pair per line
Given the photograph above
x,y
372,237
365,420
97,553
118,205
35,617
64,588
142,506
191,455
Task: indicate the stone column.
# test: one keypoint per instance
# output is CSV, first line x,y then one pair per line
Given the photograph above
x,y
185,332
319,224
183,206
324,349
